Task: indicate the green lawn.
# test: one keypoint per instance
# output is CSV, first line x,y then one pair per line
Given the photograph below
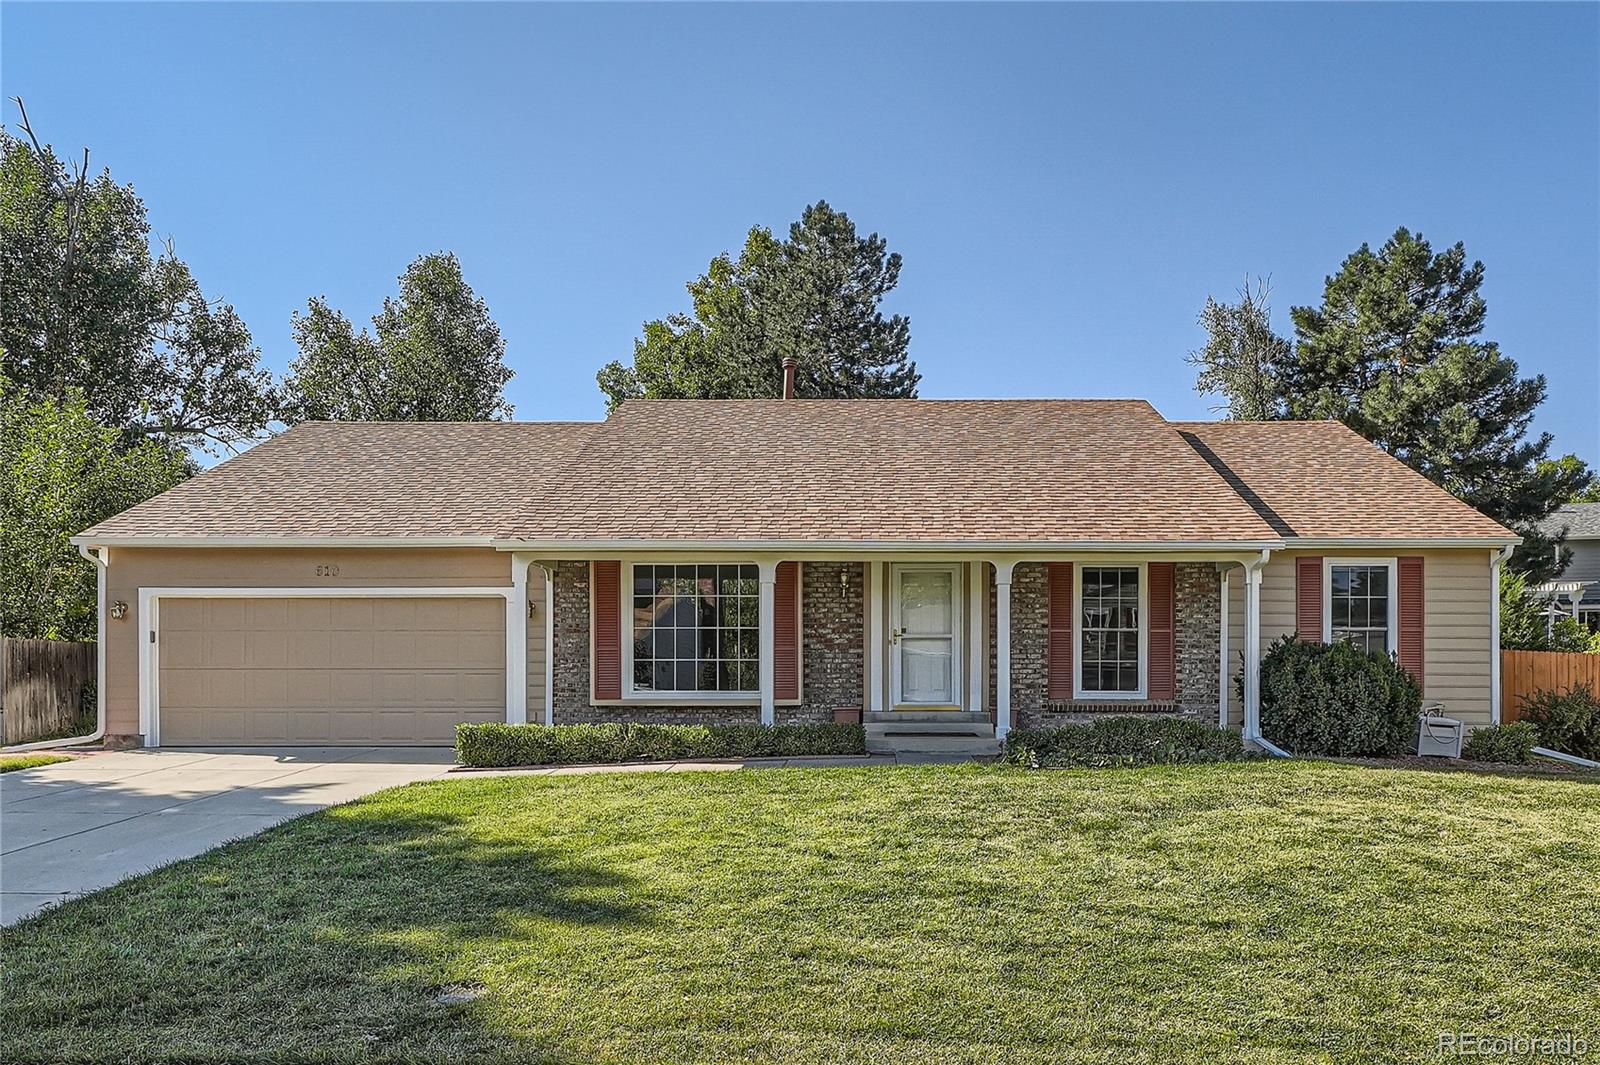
x,y
1254,911
11,762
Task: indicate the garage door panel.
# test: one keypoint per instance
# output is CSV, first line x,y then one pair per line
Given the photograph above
x,y
393,648
313,615
269,615
268,649
225,649
329,671
311,648
357,614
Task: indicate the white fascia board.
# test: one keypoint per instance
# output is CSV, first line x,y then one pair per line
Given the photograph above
x,y
855,548
1362,543
283,541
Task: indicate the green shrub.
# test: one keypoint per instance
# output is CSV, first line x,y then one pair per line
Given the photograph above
x,y
1336,699
1567,721
499,745
1513,743
1120,741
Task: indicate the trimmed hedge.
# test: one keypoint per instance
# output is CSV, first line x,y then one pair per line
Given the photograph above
x,y
499,745
1336,699
1513,743
1122,741
1567,721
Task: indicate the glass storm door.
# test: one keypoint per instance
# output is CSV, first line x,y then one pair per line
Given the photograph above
x,y
925,644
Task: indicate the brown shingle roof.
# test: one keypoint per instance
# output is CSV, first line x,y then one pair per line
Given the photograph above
x,y
815,471
1317,480
363,479
944,471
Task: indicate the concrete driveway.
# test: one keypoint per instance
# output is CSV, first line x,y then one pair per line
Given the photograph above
x,y
79,826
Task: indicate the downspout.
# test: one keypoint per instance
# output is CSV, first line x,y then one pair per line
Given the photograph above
x,y
100,563
1252,657
1496,560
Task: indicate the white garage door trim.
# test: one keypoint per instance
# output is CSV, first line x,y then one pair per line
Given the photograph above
x,y
150,626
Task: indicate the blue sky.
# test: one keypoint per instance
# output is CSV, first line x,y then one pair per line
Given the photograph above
x,y
1067,183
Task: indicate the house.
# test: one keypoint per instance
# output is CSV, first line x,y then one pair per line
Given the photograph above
x,y
951,569
1577,592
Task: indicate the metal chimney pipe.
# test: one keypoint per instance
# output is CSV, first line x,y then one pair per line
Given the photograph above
x,y
788,376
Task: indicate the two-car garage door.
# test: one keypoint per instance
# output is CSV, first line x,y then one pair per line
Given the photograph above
x,y
355,670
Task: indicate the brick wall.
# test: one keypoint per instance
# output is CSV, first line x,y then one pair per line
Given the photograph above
x,y
833,633
832,630
1197,641
1196,615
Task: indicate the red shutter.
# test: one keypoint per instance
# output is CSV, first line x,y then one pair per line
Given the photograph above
x,y
1059,580
1161,673
605,604
1308,598
1410,643
786,632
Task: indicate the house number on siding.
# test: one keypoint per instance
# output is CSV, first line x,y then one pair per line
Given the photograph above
x,y
328,570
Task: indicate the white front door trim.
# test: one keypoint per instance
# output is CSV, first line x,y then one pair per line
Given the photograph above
x,y
896,648
150,627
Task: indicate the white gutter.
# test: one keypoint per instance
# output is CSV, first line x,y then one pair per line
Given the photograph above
x,y
1571,759
1324,542
100,562
1033,547
83,541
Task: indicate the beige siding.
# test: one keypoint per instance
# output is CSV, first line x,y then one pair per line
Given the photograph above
x,y
134,568
1455,634
537,652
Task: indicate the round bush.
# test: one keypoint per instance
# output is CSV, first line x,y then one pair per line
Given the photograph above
x,y
1337,699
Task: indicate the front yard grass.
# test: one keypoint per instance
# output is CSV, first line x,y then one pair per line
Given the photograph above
x,y
1249,911
12,762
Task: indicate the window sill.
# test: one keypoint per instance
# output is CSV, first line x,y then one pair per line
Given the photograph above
x,y
714,702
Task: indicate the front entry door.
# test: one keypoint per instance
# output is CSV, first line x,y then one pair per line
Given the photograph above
x,y
925,644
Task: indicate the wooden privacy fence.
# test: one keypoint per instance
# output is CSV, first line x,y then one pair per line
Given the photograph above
x,y
44,688
1525,672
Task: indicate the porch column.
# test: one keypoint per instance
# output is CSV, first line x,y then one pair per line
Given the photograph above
x,y
517,642
1222,642
1002,646
550,643
1252,649
874,594
768,572
977,603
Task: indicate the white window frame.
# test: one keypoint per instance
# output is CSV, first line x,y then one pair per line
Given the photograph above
x,y
651,695
1392,564
1078,690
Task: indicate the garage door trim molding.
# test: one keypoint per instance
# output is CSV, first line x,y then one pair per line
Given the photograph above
x,y
150,626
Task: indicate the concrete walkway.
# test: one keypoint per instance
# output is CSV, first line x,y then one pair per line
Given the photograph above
x,y
79,826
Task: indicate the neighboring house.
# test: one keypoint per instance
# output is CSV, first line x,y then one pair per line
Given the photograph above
x,y
1578,589
938,565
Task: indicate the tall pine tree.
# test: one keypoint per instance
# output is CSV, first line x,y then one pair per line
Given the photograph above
x,y
815,296
1396,352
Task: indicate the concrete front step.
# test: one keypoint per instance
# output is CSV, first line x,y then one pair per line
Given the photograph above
x,y
937,743
940,728
902,717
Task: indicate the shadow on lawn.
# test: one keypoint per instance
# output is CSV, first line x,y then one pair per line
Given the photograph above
x,y
352,922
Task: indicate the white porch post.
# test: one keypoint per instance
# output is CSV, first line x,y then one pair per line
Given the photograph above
x,y
768,572
875,637
549,643
1002,644
1252,649
517,642
975,655
1222,614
